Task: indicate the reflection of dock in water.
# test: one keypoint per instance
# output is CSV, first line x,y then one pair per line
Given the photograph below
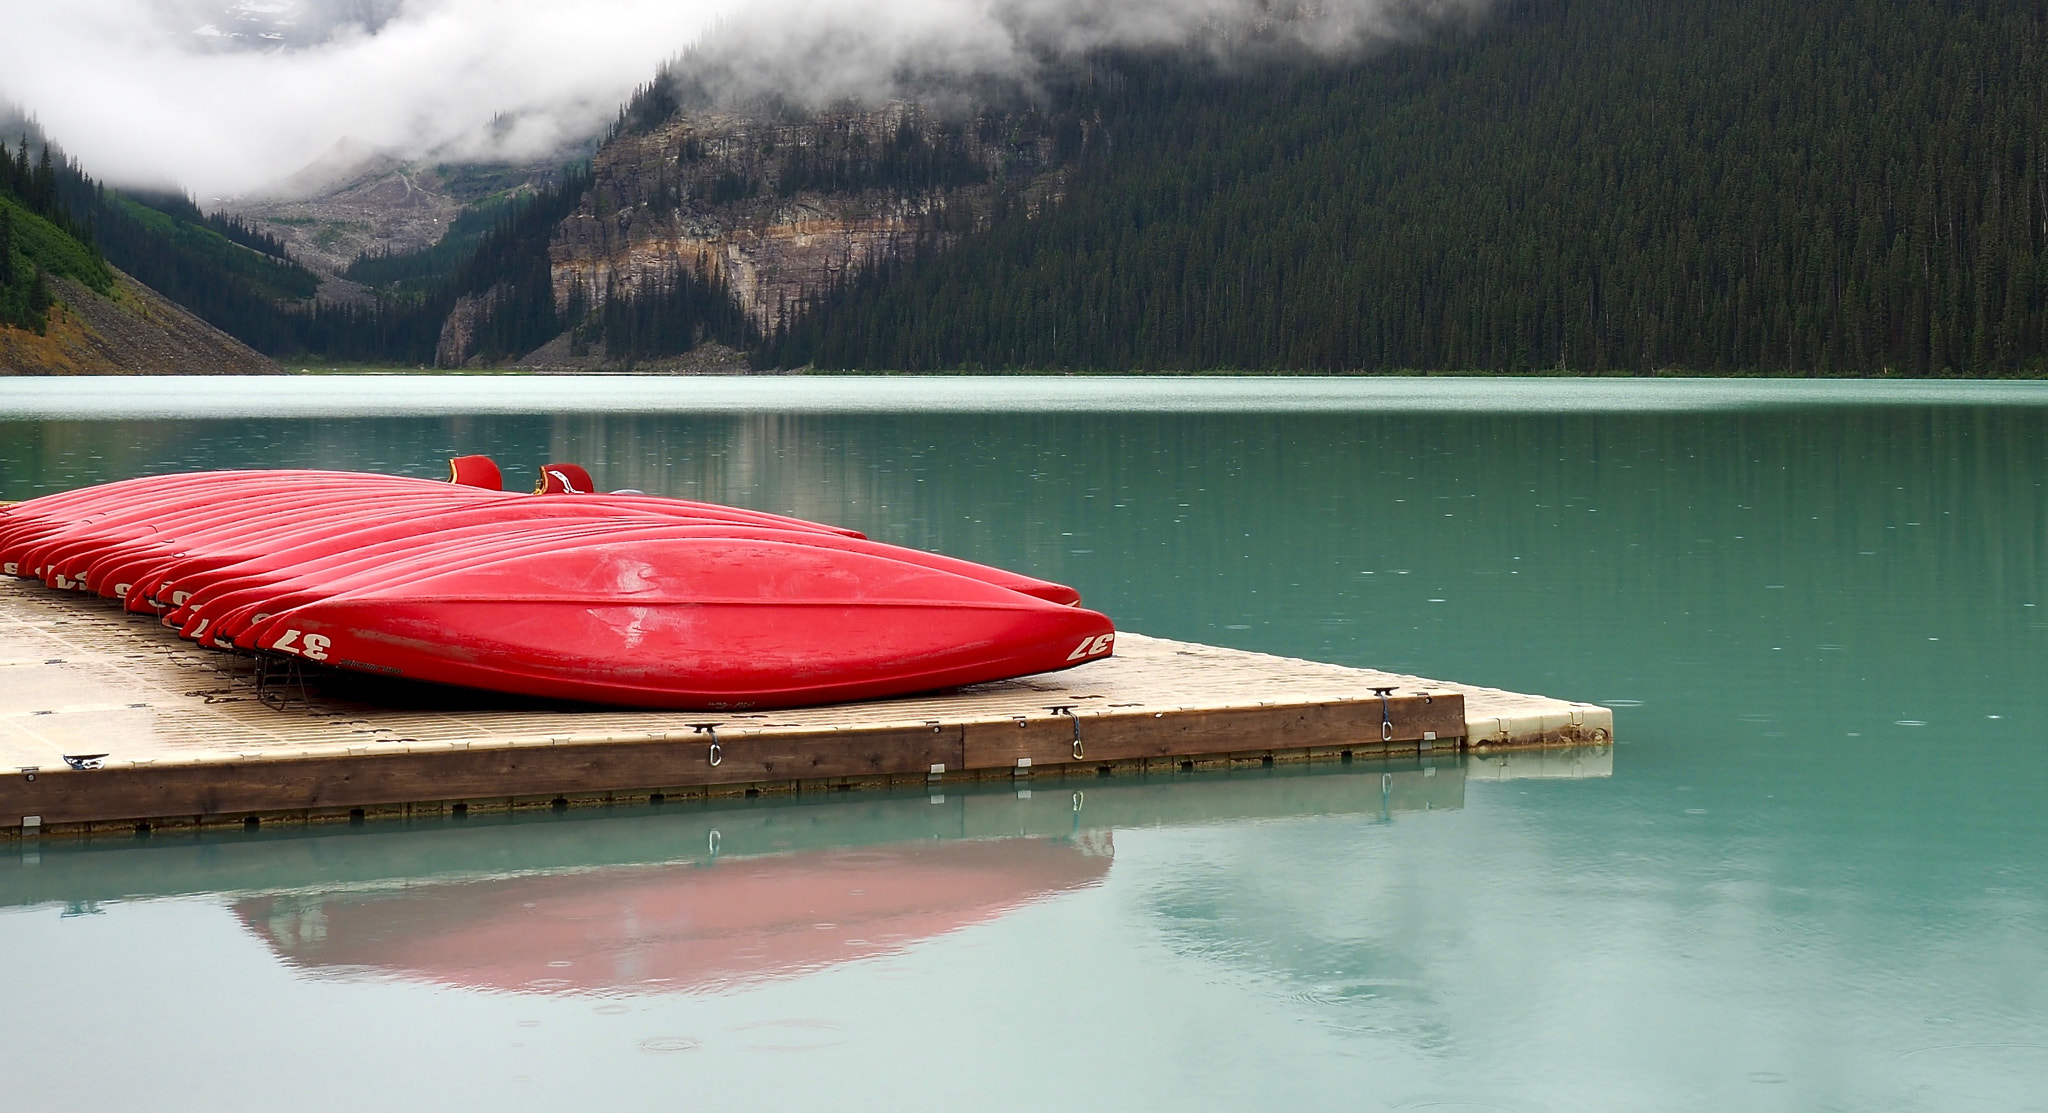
x,y
108,726
690,896
1559,763
212,860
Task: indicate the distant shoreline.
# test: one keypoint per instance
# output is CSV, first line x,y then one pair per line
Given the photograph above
x,y
430,395
812,372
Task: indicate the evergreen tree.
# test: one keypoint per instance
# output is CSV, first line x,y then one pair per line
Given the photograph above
x,y
39,299
1839,187
692,306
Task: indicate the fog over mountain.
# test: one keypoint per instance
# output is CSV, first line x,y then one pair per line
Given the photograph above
x,y
225,98
222,98
816,52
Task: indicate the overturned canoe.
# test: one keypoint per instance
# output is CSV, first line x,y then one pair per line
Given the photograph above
x,y
691,622
622,599
224,605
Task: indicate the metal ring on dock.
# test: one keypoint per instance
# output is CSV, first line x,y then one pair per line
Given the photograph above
x,y
1080,754
717,753
1386,714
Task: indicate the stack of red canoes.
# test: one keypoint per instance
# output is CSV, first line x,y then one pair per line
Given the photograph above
x,y
621,599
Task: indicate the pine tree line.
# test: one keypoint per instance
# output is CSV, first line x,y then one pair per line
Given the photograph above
x,y
1840,187
691,306
246,287
24,300
38,237
512,264
909,152
232,228
36,186
503,266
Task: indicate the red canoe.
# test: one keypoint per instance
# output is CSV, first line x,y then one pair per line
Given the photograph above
x,y
115,567
699,622
71,506
228,608
195,582
194,576
623,599
115,511
59,550
225,614
363,524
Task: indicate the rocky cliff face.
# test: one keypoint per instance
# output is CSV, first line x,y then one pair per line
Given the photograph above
x,y
781,208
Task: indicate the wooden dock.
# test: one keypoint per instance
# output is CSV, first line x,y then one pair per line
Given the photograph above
x,y
110,723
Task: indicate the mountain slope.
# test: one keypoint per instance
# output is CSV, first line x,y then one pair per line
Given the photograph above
x,y
356,204
231,276
129,330
64,310
768,205
1836,187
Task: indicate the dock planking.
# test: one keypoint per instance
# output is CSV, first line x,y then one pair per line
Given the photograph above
x,y
174,735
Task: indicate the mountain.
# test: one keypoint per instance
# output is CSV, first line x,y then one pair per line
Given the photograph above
x,y
1840,187
359,203
716,225
127,330
65,310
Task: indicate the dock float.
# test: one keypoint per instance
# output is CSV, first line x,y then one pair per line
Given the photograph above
x,y
110,724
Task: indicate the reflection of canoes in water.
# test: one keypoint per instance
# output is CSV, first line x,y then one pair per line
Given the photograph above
x,y
674,928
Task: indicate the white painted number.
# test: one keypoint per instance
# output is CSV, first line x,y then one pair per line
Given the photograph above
x,y
1089,647
313,647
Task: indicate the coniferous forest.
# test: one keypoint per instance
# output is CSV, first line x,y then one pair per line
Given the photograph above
x,y
60,221
1839,187
38,239
230,275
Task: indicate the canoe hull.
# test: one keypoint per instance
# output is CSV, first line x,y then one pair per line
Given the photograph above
x,y
715,656
619,600
716,623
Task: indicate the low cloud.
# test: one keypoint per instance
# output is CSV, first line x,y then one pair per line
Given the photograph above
x,y
821,51
223,98
154,91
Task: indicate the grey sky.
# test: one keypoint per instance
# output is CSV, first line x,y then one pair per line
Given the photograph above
x,y
225,96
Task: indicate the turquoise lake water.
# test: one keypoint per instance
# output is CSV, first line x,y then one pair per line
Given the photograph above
x,y
1813,874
